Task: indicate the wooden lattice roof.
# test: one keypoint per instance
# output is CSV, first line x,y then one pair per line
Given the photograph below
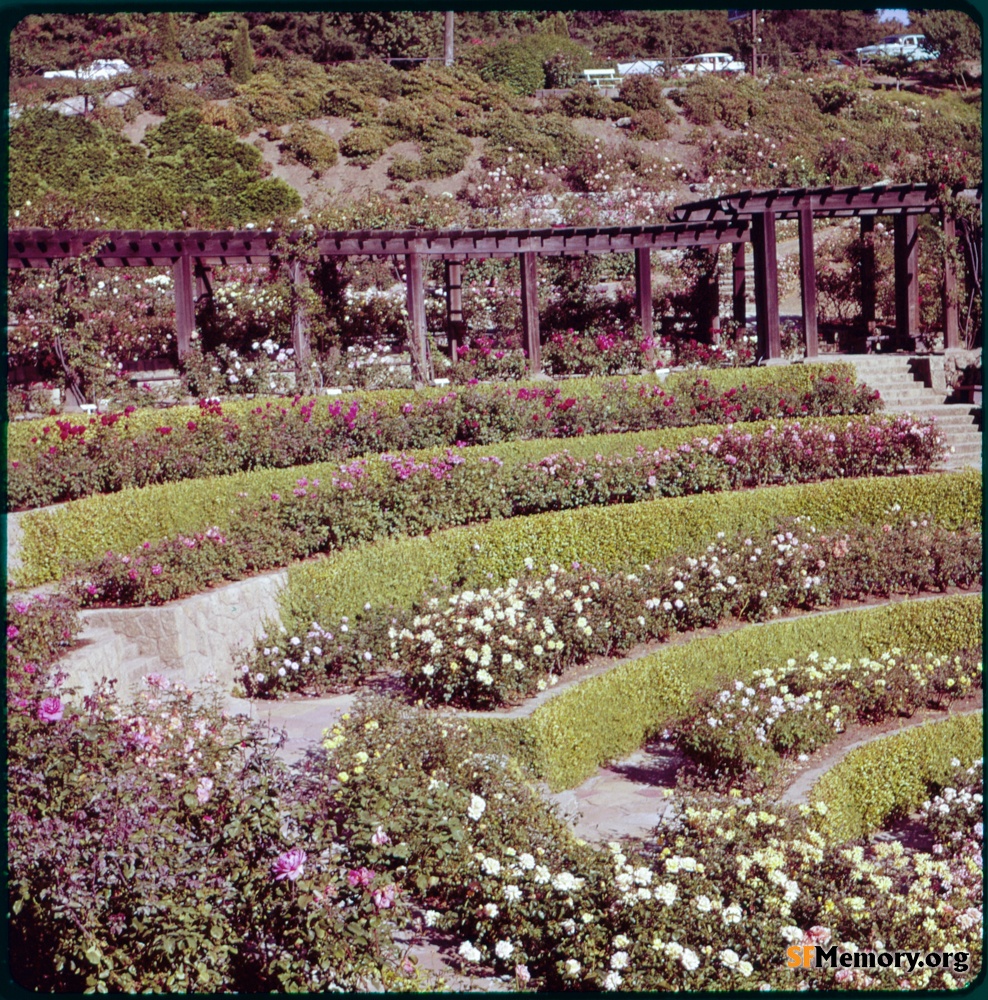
x,y
830,202
39,247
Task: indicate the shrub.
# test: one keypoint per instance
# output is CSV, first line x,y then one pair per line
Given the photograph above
x,y
311,147
520,65
230,117
644,93
365,144
584,101
266,201
200,865
740,734
892,776
649,124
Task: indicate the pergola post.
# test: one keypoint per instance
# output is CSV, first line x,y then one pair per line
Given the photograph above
x,y
708,297
766,286
951,336
455,330
739,308
299,324
530,312
185,304
906,279
415,303
868,298
807,278
643,290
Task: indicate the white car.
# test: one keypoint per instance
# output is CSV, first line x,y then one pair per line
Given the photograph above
x,y
712,62
912,48
101,69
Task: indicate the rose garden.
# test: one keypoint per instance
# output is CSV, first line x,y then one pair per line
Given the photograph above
x,y
466,533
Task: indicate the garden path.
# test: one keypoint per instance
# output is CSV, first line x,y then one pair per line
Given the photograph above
x,y
629,797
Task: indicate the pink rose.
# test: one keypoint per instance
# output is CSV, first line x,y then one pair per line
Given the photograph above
x,y
289,865
360,877
50,710
384,898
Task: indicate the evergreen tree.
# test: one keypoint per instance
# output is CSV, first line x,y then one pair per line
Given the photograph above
x,y
241,55
168,38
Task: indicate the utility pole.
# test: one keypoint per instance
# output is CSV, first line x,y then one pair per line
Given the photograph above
x,y
448,46
754,42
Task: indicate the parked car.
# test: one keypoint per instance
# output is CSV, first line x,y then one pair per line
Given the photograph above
x,y
912,48
101,69
711,62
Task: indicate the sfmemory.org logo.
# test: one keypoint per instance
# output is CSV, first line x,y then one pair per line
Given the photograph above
x,y
799,956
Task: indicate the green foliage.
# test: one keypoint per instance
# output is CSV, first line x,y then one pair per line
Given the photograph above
x,y
649,124
365,145
241,55
892,776
952,33
584,101
644,93
607,717
399,571
311,147
49,152
521,64
266,100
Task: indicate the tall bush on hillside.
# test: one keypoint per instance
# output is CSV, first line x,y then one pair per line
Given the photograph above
x,y
521,65
241,55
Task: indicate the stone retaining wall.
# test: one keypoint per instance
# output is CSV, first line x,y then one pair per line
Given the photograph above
x,y
189,638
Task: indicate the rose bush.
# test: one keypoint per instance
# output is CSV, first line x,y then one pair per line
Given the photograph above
x,y
61,459
482,648
398,494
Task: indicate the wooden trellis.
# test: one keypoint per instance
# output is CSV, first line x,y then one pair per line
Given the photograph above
x,y
734,219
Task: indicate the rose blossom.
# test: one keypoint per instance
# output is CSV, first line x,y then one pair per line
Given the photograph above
x,y
360,877
50,710
289,865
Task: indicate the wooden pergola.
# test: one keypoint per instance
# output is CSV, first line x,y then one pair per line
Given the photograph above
x,y
733,219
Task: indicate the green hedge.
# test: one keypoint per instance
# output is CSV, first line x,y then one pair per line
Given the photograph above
x,y
400,570
389,402
894,775
86,529
609,716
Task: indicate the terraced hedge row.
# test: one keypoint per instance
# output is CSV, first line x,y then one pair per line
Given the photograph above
x,y
431,489
390,402
894,775
611,715
400,570
68,459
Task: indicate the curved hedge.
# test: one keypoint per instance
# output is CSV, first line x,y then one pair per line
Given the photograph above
x,y
609,716
894,774
400,570
86,529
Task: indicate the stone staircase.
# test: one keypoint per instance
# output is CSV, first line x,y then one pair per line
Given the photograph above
x,y
906,384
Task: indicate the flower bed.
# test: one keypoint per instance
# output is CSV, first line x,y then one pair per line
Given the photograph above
x,y
206,865
482,649
52,460
740,734
400,571
270,517
712,904
611,715
893,776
